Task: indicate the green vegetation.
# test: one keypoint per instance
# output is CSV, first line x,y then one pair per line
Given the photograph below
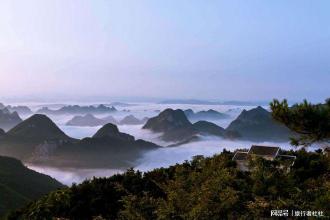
x,y
20,185
204,188
311,122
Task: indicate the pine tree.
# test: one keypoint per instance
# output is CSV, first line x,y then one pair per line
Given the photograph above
x,y
310,122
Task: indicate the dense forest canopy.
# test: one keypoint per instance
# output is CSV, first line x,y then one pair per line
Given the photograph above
x,y
311,122
204,188
20,185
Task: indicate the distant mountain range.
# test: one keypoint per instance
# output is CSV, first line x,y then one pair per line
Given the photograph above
x,y
132,120
39,140
90,120
189,101
253,125
121,104
205,115
76,109
22,110
86,120
20,185
174,126
203,102
8,120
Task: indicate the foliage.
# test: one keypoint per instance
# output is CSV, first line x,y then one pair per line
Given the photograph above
x,y
204,188
20,185
311,122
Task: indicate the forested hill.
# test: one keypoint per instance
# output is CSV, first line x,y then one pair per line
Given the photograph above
x,y
20,185
204,188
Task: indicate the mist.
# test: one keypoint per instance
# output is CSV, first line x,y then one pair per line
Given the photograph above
x,y
162,157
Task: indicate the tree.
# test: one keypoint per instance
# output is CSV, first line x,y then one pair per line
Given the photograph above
x,y
310,122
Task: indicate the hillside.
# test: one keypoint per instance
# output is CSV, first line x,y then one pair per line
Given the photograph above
x,y
108,148
35,132
111,131
205,115
204,188
132,120
208,128
88,120
173,124
38,127
20,185
258,125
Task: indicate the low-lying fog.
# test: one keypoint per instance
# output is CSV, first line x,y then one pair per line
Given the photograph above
x,y
163,157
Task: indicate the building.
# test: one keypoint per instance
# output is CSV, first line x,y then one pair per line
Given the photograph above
x,y
241,159
265,152
326,151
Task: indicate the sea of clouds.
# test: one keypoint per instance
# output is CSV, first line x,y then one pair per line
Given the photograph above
x,y
163,157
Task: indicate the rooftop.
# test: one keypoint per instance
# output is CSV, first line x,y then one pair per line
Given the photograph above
x,y
264,150
240,155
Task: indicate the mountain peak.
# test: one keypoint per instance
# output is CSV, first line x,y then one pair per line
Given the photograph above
x,y
257,124
131,120
111,131
8,120
38,126
174,125
167,120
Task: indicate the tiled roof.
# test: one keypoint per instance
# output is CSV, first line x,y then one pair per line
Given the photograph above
x,y
264,150
240,155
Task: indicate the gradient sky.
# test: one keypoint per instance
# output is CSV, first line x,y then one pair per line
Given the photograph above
x,y
217,50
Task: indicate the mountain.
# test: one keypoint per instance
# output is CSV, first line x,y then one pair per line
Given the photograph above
x,y
111,131
8,120
86,120
2,106
121,104
190,102
33,135
208,128
39,141
173,124
20,185
110,119
245,103
2,132
258,125
22,110
38,127
108,148
205,115
132,120
76,109
189,112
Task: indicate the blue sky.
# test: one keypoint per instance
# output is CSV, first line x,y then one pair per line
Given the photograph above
x,y
217,50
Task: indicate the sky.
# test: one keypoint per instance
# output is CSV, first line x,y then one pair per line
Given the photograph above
x,y
214,50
